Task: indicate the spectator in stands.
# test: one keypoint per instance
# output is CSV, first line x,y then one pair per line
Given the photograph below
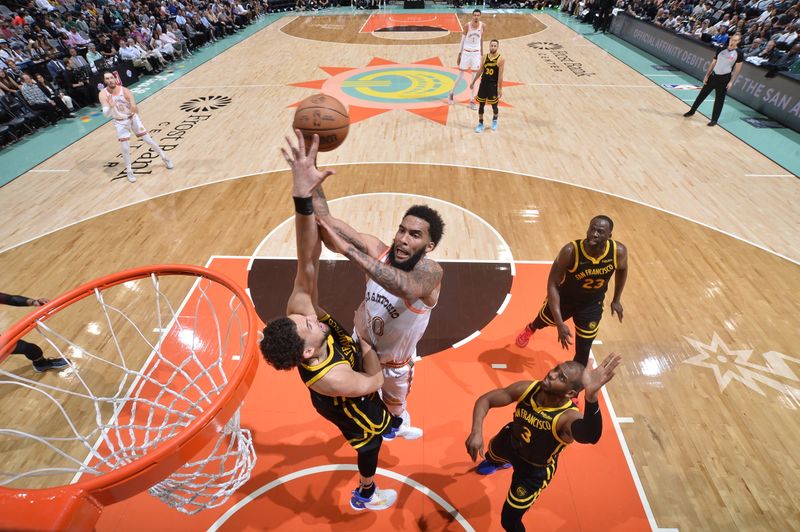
x,y
37,101
130,52
703,29
45,6
56,68
13,71
784,63
786,39
52,92
75,39
76,84
721,38
7,84
106,48
92,57
76,61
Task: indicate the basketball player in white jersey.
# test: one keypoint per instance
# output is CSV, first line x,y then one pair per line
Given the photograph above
x,y
402,288
470,55
118,104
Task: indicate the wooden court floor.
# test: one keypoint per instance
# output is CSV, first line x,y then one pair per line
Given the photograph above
x,y
708,396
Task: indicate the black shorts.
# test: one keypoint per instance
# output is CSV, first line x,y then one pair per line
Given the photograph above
x,y
361,420
528,480
585,315
487,92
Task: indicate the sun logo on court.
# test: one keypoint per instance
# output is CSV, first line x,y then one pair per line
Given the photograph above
x,y
205,104
420,88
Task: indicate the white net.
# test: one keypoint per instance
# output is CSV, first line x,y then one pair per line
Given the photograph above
x,y
139,371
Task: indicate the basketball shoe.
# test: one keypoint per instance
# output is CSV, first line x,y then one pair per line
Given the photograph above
x,y
524,337
480,128
380,500
450,100
131,177
168,163
494,124
472,105
487,468
44,364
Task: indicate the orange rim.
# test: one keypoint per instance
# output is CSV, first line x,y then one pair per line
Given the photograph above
x,y
81,503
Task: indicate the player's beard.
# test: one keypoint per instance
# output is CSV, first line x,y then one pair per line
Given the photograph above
x,y
408,264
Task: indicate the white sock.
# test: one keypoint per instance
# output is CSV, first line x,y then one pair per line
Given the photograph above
x,y
126,155
148,139
459,78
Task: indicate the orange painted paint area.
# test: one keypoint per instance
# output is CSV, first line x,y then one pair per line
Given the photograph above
x,y
305,469
421,22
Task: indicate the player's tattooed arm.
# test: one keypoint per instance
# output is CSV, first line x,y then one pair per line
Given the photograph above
x,y
416,284
320,202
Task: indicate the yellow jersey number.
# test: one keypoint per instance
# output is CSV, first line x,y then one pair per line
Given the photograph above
x,y
593,284
526,435
489,71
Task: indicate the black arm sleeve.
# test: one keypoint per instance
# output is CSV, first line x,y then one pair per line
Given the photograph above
x,y
589,428
14,301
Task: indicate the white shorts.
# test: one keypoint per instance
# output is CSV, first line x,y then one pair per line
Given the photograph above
x,y
470,60
131,125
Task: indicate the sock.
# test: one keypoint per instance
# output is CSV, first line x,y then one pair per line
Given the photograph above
x,y
455,85
367,491
480,120
148,139
494,118
126,155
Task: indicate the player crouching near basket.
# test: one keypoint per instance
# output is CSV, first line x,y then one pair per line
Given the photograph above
x,y
118,104
491,89
343,377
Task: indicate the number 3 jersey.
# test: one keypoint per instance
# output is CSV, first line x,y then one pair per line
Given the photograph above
x,y
393,324
534,428
587,279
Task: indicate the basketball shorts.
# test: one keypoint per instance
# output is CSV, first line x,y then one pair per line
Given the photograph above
x,y
585,315
131,125
487,93
528,480
361,420
396,387
470,60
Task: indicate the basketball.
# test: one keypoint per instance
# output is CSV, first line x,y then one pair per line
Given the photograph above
x,y
325,116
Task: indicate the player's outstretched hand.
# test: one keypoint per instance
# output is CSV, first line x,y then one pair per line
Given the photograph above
x,y
564,335
616,308
596,378
306,176
39,302
474,445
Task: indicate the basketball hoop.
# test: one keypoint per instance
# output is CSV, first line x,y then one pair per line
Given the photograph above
x,y
148,401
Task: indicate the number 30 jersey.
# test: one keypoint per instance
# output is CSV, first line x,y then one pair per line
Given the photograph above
x,y
394,325
587,279
534,428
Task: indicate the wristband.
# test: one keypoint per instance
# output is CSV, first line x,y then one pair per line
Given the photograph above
x,y
303,206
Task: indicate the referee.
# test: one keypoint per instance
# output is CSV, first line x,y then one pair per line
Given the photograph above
x,y
722,72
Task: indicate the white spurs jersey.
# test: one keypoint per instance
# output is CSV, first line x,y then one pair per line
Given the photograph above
x,y
121,109
394,325
474,37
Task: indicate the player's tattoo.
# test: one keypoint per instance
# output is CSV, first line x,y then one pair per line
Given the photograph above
x,y
361,246
320,202
419,282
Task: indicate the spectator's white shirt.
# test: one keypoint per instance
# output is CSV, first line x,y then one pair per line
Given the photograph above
x,y
788,38
763,17
130,53
180,20
44,4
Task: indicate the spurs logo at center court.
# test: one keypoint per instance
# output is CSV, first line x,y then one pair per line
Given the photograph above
x,y
736,365
545,45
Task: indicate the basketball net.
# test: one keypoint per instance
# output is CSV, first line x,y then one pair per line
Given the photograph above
x,y
141,370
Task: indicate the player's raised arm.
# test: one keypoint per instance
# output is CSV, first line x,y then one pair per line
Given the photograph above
x,y
415,284
305,177
369,244
588,427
